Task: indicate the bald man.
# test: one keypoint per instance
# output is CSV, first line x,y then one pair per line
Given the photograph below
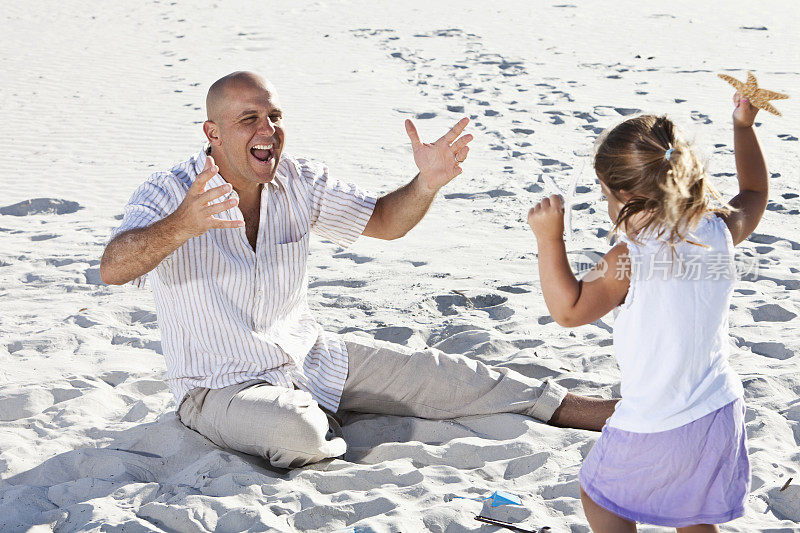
x,y
223,239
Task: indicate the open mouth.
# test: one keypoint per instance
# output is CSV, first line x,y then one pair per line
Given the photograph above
x,y
263,153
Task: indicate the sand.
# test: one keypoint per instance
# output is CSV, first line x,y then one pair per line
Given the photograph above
x,y
96,98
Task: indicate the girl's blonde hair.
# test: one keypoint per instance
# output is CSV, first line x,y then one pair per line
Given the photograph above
x,y
671,194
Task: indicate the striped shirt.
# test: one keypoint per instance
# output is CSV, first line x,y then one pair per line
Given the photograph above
x,y
229,314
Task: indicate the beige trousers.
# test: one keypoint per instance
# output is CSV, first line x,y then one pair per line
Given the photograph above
x,y
289,429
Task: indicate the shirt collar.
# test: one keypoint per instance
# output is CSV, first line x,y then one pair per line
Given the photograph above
x,y
280,179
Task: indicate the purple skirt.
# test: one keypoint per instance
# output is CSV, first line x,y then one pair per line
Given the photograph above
x,y
694,474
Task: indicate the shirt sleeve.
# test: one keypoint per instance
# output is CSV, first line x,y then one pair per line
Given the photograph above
x,y
339,211
150,202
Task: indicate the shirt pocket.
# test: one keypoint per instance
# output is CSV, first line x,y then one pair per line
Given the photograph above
x,y
289,266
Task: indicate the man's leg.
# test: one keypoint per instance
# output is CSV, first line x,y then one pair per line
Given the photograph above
x,y
285,426
582,412
391,379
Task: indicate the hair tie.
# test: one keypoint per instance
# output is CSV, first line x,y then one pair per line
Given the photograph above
x,y
669,153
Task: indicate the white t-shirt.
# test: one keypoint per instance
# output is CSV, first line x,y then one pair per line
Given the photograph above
x,y
671,333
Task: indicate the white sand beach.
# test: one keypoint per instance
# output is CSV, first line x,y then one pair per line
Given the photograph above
x,y
96,96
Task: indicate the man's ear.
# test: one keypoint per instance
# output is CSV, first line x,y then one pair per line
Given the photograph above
x,y
212,133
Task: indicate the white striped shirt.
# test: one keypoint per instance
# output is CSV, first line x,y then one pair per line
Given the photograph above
x,y
228,314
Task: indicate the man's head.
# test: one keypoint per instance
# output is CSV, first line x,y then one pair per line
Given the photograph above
x,y
244,127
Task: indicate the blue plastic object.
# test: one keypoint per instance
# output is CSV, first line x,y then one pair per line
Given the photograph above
x,y
500,497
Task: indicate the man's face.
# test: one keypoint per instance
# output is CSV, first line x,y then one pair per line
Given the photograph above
x,y
250,133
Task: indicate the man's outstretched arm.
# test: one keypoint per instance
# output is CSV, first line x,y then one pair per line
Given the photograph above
x,y
138,251
438,163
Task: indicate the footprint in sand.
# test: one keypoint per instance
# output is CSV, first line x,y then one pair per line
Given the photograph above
x,y
775,350
627,111
140,316
772,313
44,237
136,342
760,238
513,289
584,116
358,259
697,116
555,117
780,208
92,276
347,283
492,304
83,321
60,262
146,387
552,165
395,334
494,193
115,377
41,206
336,300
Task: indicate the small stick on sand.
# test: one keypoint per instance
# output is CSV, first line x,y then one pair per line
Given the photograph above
x,y
508,525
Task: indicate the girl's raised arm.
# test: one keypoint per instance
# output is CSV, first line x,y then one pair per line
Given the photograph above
x,y
571,302
751,171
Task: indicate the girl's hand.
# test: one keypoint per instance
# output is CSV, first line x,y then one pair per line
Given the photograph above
x,y
546,218
745,113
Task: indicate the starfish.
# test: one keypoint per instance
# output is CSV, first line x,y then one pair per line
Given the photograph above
x,y
758,97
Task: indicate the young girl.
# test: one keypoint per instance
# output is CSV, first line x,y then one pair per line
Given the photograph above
x,y
674,451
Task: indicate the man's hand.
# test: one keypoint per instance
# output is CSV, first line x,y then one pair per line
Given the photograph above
x,y
438,163
745,113
138,251
546,218
194,216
